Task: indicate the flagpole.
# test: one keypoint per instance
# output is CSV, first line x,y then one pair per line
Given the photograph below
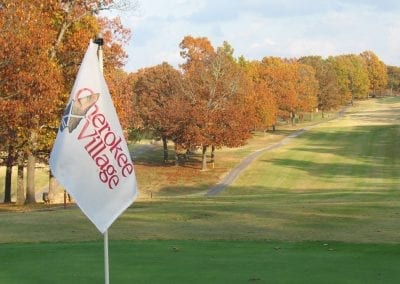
x,y
106,264
99,40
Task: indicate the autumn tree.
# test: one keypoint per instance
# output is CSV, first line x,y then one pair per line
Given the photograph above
x,y
377,72
260,98
352,77
43,40
157,89
213,87
234,119
328,95
307,88
25,44
358,74
393,78
281,78
122,91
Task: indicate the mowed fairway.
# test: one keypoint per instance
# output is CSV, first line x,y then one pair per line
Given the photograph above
x,y
340,180
325,208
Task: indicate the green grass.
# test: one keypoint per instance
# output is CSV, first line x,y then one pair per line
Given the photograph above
x,y
201,262
324,208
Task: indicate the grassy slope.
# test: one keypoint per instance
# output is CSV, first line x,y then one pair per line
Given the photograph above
x,y
338,182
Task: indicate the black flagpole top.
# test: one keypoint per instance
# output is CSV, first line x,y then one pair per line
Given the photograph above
x,y
99,39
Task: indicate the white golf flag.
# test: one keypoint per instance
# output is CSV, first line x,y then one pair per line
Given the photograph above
x,y
90,157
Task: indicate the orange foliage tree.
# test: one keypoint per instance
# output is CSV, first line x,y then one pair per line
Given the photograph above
x,y
377,72
213,87
260,99
41,40
157,90
307,88
28,97
280,77
328,94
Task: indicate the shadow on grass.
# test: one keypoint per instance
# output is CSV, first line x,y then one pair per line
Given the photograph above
x,y
363,151
388,100
337,170
247,213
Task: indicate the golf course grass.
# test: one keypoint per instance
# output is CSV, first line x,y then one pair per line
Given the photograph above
x,y
178,261
323,208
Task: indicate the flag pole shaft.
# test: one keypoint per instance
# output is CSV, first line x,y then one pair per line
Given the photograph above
x,y
106,264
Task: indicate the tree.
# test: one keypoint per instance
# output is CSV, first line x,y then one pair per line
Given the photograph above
x,y
122,91
352,77
156,89
25,43
377,72
34,50
328,95
394,78
307,88
281,79
359,81
213,83
260,99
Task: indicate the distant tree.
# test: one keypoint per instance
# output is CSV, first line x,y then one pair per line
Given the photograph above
x,y
377,72
352,76
213,87
307,88
260,99
196,52
121,85
359,81
328,95
394,78
157,89
343,82
281,78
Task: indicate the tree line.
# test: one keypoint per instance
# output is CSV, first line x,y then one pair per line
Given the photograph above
x,y
215,100
212,100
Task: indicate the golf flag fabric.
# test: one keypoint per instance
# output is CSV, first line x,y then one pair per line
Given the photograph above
x,y
90,157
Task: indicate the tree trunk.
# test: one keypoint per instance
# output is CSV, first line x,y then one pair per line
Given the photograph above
x,y
292,117
176,155
204,159
20,182
8,177
52,187
212,155
165,147
30,179
7,184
